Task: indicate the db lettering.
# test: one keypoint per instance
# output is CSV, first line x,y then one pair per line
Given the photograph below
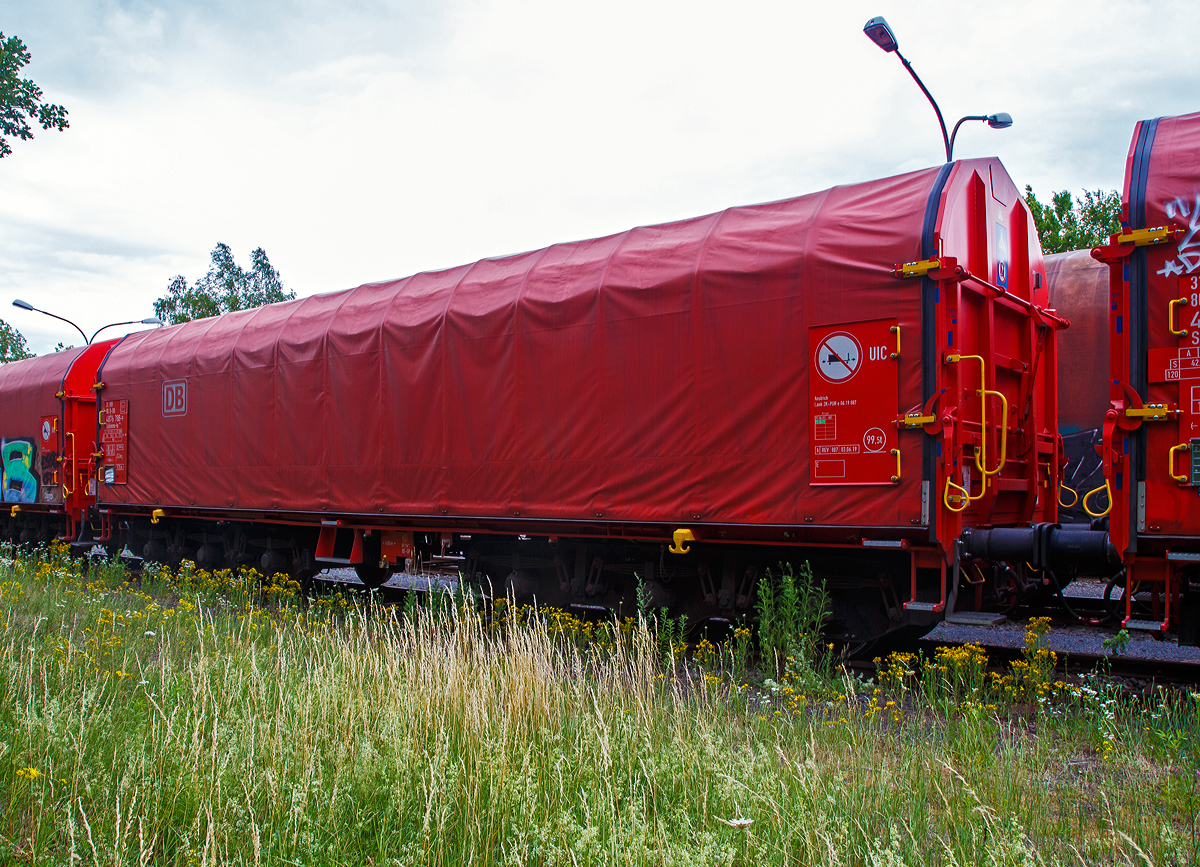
x,y
175,397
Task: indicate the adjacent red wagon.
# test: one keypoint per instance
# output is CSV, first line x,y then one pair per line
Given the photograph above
x,y
47,444
1151,434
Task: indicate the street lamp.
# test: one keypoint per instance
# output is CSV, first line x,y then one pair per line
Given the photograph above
x,y
880,33
153,320
25,305
999,120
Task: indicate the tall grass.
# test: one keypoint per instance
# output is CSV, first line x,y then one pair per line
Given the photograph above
x,y
208,719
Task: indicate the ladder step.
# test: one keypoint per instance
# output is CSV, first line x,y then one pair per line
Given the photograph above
x,y
338,561
975,618
921,606
1144,625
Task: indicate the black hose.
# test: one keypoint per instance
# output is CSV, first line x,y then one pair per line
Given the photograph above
x,y
1058,589
1108,602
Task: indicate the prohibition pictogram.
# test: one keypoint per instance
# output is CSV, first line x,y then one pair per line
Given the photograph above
x,y
839,357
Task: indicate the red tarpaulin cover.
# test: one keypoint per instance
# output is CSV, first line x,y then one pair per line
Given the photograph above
x,y
1079,291
656,375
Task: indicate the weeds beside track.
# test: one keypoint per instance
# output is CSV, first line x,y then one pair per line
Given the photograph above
x,y
212,719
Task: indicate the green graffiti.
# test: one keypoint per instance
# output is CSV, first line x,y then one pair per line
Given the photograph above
x,y
20,485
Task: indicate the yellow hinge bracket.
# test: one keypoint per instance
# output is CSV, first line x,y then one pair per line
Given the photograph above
x,y
98,386
1152,412
915,419
1145,237
916,269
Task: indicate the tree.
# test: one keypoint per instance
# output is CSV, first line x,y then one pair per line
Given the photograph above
x,y
1075,224
21,99
12,344
225,288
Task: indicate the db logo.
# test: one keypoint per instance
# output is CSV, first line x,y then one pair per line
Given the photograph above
x,y
175,397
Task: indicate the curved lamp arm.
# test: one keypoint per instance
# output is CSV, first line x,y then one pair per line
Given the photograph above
x,y
151,321
25,305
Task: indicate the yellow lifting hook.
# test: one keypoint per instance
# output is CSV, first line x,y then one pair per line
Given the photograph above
x,y
681,535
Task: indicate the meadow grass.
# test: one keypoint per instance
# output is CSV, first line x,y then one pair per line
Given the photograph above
x,y
198,719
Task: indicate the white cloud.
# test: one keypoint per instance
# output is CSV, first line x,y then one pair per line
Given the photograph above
x,y
364,141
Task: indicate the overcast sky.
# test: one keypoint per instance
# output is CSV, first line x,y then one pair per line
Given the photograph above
x,y
369,139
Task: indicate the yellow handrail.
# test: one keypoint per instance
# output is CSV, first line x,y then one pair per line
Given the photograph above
x,y
895,329
1107,490
896,452
1171,316
1184,447
984,391
67,491
1063,487
1003,436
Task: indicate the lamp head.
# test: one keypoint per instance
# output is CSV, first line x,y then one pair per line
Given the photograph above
x,y
999,120
153,320
879,32
24,305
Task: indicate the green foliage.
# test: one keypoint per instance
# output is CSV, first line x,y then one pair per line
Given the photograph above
x,y
12,344
1115,645
225,288
21,99
791,608
1075,224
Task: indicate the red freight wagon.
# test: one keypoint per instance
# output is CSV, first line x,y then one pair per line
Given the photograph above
x,y
863,371
47,441
1151,435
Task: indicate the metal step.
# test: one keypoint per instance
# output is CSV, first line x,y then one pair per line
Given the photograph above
x,y
1144,625
921,606
976,618
338,561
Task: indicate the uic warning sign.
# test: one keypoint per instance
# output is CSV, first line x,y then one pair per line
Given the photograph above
x,y
853,390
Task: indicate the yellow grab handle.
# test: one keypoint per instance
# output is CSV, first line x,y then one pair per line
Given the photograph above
x,y
1185,447
1171,317
1063,487
680,536
895,329
1108,491
896,452
966,496
157,515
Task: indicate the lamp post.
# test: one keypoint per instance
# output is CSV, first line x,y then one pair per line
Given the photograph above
x,y
880,33
25,305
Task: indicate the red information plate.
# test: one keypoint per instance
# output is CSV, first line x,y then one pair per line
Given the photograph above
x,y
114,441
853,392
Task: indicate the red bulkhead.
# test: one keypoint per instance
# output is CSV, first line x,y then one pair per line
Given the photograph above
x,y
740,373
